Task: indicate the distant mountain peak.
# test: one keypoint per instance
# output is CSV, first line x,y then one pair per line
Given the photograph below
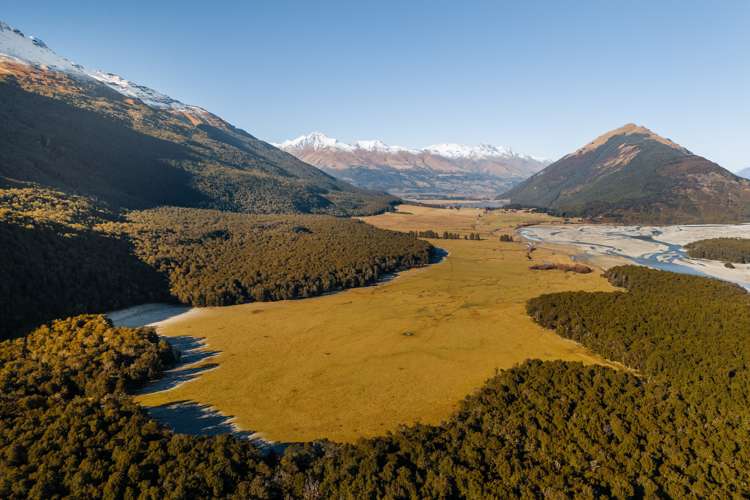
x,y
452,150
630,129
744,173
435,171
633,175
320,141
315,141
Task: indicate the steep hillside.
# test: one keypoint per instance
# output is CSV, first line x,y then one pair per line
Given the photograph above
x,y
633,175
435,171
96,134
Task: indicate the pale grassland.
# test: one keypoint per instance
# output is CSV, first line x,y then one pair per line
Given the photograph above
x,y
361,362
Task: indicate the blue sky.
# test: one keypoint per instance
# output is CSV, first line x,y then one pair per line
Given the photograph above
x,y
541,77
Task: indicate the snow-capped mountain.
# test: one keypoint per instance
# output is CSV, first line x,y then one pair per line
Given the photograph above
x,y
318,140
17,47
471,152
437,170
97,134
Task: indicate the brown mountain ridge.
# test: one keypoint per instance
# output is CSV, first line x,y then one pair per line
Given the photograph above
x,y
633,175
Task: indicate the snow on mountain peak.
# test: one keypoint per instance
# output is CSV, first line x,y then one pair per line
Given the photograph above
x,y
318,141
315,141
16,46
456,151
380,146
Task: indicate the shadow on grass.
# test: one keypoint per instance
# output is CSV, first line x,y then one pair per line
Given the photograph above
x,y
192,350
189,417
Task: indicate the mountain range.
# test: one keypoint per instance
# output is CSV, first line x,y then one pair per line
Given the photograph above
x,y
633,175
97,134
437,171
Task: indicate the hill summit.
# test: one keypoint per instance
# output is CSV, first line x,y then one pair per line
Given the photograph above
x,y
633,175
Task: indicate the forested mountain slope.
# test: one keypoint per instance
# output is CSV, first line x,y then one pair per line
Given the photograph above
x,y
97,134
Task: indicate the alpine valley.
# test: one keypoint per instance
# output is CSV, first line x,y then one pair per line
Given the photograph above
x,y
188,311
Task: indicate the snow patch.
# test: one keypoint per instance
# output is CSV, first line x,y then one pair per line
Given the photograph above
x,y
17,47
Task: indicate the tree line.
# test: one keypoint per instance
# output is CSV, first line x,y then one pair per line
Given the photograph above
x,y
216,258
735,250
445,235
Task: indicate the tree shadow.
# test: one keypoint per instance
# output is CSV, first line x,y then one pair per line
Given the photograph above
x,y
192,351
175,377
189,417
49,270
437,255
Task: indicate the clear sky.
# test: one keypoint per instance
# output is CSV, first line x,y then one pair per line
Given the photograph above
x,y
541,77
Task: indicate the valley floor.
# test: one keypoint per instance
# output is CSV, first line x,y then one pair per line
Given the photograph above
x,y
364,361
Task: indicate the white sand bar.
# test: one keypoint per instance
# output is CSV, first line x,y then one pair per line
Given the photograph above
x,y
147,314
659,247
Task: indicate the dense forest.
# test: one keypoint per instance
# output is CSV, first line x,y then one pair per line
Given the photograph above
x,y
216,258
66,255
55,264
677,426
735,250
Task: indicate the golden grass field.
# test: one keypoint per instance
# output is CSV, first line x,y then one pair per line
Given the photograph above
x,y
341,367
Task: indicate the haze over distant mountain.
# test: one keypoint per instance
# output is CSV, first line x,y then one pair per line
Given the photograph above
x,y
633,175
440,170
97,134
744,173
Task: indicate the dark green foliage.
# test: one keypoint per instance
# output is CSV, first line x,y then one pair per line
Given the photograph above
x,y
215,258
735,250
425,234
68,430
78,356
51,269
